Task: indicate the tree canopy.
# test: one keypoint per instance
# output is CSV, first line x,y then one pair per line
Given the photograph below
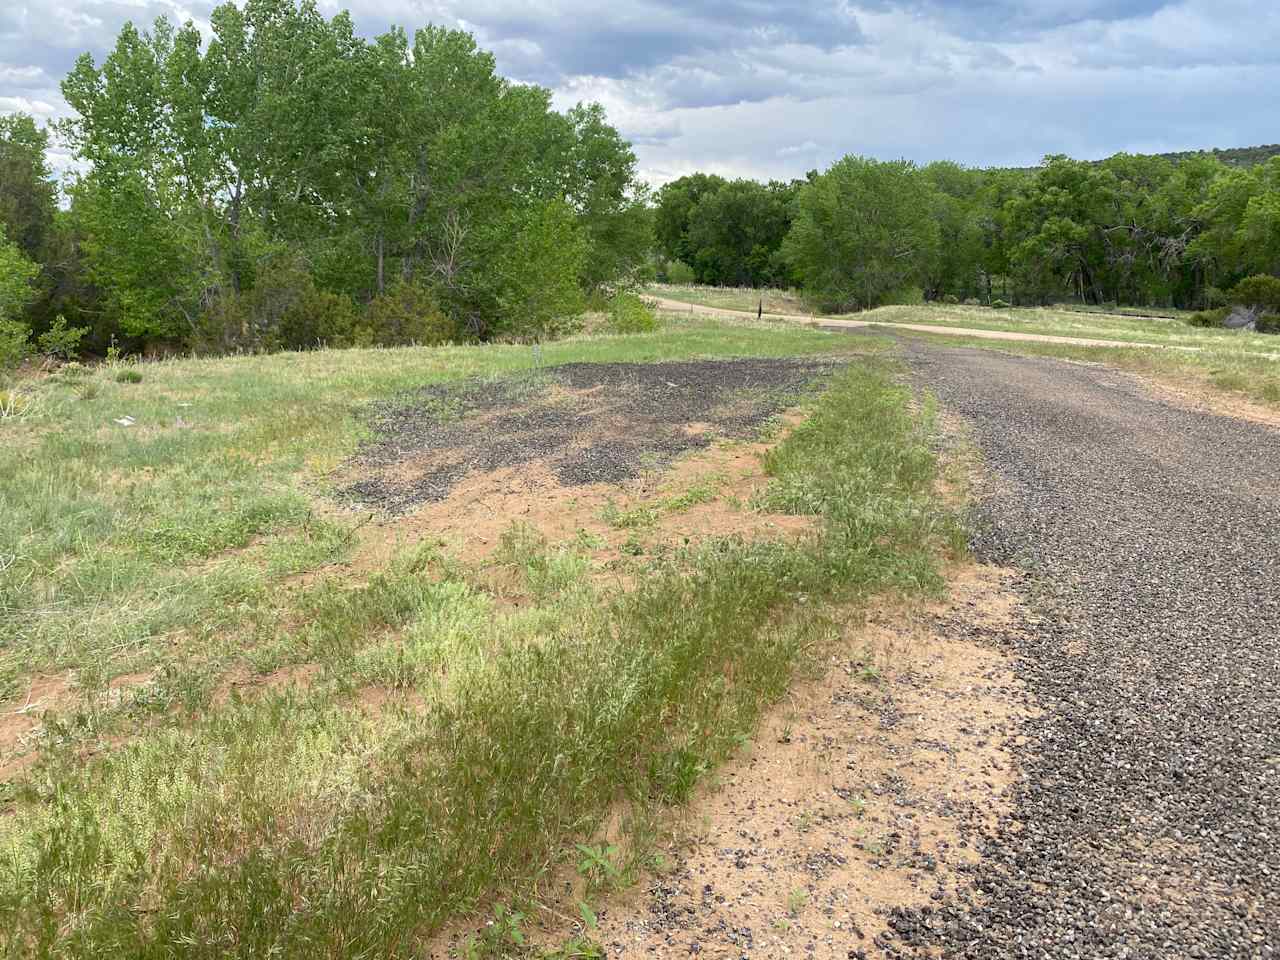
x,y
225,180
1144,230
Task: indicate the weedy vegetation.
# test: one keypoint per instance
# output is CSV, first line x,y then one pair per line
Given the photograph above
x,y
246,750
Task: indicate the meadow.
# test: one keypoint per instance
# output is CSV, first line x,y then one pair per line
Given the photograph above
x,y
234,724
1165,348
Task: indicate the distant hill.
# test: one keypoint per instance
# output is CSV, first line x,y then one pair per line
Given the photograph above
x,y
1232,156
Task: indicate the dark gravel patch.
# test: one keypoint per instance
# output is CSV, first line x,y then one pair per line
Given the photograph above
x,y
1148,825
587,422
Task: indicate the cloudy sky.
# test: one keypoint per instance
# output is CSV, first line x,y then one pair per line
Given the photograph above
x,y
772,89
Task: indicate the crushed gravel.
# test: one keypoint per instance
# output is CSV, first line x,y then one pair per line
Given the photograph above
x,y
587,422
1148,824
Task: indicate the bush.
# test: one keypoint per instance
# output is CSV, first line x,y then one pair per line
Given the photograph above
x,y
680,272
223,326
316,318
1208,318
951,298
128,376
908,296
13,343
1268,323
1214,298
628,313
60,340
407,313
1261,290
1000,304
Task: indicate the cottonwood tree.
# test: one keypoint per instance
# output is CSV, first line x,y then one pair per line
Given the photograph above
x,y
290,140
863,231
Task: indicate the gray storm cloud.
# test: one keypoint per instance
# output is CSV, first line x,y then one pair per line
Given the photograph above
x,y
773,89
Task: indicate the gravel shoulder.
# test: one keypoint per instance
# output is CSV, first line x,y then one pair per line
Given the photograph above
x,y
1147,824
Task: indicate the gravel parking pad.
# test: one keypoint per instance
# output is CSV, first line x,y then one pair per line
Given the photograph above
x,y
587,422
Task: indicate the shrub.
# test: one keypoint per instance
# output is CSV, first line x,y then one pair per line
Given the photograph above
x,y
1261,290
222,326
316,318
1208,318
1268,323
13,343
680,272
1214,298
1000,304
951,298
908,296
60,340
406,313
628,313
13,404
128,376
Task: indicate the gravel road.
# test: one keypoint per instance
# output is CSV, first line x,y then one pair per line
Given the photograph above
x,y
1148,825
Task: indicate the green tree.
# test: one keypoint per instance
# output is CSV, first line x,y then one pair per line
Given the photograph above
x,y
290,140
540,294
17,290
676,202
956,208
863,231
28,194
735,232
612,205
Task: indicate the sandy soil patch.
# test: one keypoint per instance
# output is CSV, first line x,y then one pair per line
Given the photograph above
x,y
869,791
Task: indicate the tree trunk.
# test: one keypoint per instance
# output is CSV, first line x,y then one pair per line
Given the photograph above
x,y
381,265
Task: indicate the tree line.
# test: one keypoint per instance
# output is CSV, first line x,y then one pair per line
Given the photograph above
x,y
1141,230
289,183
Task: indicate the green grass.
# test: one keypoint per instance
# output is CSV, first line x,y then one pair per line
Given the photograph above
x,y
733,298
448,748
1249,375
113,535
1074,323
1234,362
1166,313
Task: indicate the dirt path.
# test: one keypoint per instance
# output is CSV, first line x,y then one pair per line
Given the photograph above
x,y
1148,824
680,306
867,792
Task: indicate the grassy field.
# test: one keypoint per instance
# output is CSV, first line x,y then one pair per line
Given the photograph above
x,y
1074,323
732,298
1234,362
217,743
1250,376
